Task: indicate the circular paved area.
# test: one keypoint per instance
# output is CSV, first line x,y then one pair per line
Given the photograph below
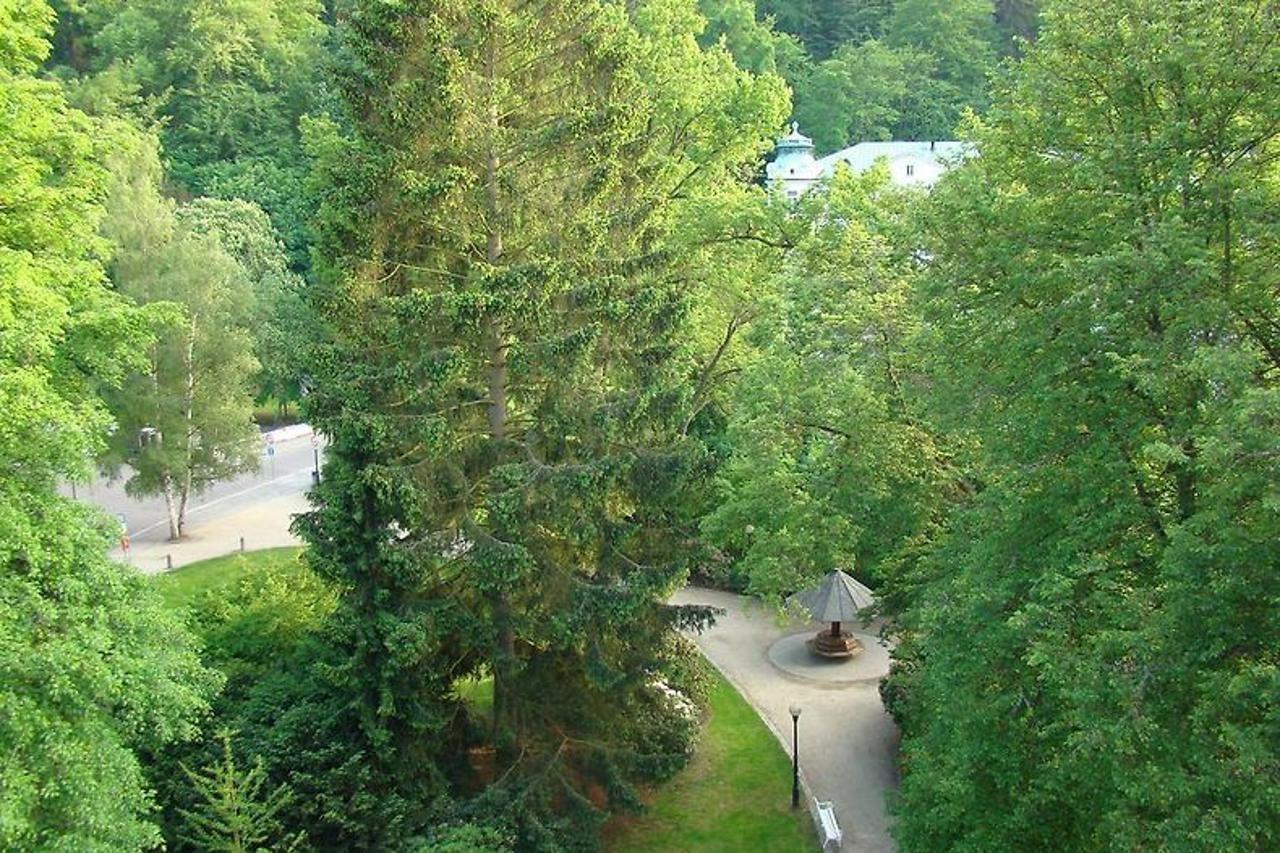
x,y
794,656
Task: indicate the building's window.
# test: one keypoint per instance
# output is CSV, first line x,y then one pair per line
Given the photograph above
x,y
793,194
911,169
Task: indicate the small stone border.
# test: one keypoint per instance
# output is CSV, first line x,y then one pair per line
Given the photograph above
x,y
792,656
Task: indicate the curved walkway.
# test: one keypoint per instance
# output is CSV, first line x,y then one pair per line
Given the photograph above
x,y
848,742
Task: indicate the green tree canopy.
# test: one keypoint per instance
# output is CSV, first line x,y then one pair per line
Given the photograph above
x,y
277,319
866,92
1091,658
900,69
91,669
830,465
229,80
825,25
185,420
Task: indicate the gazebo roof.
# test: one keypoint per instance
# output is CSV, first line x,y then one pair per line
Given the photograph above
x,y
837,599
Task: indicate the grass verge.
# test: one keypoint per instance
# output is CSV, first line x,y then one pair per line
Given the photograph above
x,y
181,586
735,794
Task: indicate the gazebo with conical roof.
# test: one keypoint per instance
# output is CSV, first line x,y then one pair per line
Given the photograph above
x,y
837,599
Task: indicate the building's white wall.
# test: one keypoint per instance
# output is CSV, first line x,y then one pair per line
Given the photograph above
x,y
915,171
795,171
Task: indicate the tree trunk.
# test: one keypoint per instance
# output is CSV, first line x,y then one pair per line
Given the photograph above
x,y
188,446
496,352
500,601
171,507
184,492
1185,481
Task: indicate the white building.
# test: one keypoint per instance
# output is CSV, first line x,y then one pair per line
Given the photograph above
x,y
794,168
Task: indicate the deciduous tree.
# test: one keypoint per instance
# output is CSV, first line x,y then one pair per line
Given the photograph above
x,y
1092,662
91,668
278,321
186,421
830,463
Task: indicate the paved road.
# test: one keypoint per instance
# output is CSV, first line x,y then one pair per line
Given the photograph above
x,y
848,742
257,506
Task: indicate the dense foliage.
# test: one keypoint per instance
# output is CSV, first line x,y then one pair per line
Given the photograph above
x,y
1091,649
828,461
567,350
92,669
228,82
877,69
259,619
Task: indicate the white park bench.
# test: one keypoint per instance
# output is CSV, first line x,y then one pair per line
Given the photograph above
x,y
827,825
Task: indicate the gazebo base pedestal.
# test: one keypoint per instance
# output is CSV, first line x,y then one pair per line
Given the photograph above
x,y
841,645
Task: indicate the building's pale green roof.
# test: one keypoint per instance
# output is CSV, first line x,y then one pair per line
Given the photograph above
x,y
863,156
794,140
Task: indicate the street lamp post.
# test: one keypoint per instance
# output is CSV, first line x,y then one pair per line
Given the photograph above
x,y
795,755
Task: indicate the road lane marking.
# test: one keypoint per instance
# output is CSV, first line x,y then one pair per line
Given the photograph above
x,y
192,510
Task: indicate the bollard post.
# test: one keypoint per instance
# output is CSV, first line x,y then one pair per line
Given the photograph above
x,y
168,562
241,544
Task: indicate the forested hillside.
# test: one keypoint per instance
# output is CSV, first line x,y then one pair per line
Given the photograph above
x,y
516,264
878,69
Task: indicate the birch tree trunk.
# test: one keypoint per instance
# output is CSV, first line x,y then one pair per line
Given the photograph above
x,y
171,507
188,412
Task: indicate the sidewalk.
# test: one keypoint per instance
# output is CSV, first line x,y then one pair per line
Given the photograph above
x,y
848,742
262,525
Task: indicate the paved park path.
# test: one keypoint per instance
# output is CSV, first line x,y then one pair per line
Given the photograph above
x,y
848,742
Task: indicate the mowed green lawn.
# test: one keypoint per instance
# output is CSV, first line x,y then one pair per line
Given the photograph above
x,y
735,795
180,586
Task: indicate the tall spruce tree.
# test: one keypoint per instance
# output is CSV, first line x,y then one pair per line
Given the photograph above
x,y
502,378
